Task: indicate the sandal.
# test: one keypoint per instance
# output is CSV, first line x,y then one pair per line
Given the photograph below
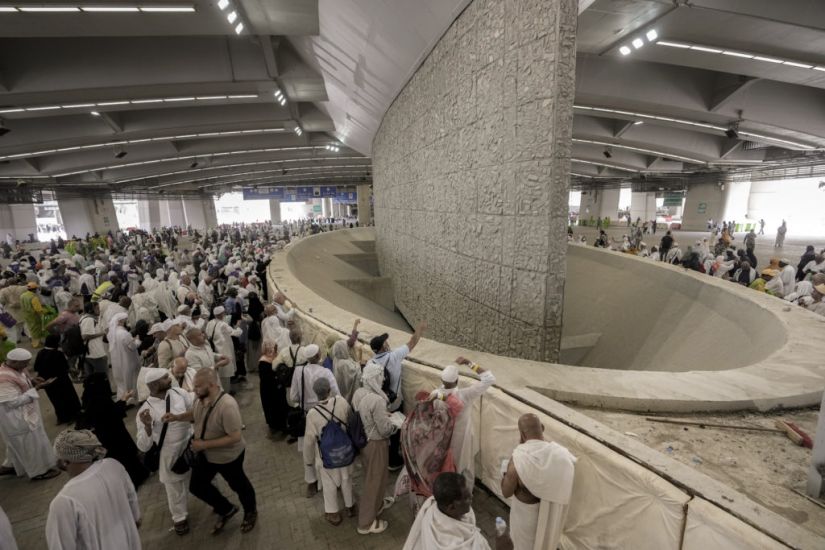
x,y
182,527
219,525
6,470
334,519
249,522
48,475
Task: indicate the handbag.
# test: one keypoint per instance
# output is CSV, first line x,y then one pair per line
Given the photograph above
x,y
7,320
190,458
151,458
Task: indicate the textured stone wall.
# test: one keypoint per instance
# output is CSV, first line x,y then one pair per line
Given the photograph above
x,y
471,167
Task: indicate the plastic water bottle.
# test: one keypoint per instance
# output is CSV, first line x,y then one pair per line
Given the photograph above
x,y
501,526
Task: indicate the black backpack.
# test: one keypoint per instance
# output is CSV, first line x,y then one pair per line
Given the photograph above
x,y
73,343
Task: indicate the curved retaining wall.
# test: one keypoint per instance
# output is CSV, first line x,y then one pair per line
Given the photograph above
x,y
626,495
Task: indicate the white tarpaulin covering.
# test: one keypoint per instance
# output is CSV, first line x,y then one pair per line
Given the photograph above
x,y
612,496
709,528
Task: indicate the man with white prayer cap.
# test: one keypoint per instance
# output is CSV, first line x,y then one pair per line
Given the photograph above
x,y
163,398
301,392
446,520
28,451
462,444
539,477
98,507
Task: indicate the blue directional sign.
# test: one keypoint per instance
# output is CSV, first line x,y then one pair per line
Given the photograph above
x,y
301,193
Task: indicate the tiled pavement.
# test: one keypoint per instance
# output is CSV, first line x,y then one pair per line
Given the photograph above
x,y
286,520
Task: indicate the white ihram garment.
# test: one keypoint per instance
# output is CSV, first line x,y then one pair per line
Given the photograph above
x,y
27,445
333,478
177,437
221,334
125,360
434,530
546,470
96,510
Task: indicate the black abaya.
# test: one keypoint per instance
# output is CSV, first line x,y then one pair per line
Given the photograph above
x,y
52,363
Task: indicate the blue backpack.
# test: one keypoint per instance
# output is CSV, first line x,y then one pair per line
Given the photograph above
x,y
334,444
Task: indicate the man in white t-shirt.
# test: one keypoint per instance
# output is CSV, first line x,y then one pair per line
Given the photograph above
x,y
92,333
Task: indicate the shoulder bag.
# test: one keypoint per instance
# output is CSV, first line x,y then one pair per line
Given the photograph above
x,y
189,458
151,458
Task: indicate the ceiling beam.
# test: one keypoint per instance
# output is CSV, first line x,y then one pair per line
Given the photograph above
x,y
113,121
269,46
729,88
621,126
728,146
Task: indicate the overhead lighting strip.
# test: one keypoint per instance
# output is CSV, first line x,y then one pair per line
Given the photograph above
x,y
142,140
236,165
605,164
160,8
640,150
113,103
289,180
755,136
300,170
187,157
718,50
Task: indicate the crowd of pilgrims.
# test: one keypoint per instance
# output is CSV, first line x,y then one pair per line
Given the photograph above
x,y
799,282
171,322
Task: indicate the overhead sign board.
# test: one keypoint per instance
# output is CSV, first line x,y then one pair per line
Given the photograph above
x,y
301,193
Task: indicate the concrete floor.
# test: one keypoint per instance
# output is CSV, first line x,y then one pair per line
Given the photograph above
x,y
287,519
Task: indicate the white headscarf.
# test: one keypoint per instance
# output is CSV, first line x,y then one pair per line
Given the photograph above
x,y
372,378
113,324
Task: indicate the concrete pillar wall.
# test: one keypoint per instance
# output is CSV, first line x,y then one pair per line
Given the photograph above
x,y
149,214
193,211
737,197
210,212
364,198
609,204
172,213
471,172
275,210
703,201
643,205
18,220
87,215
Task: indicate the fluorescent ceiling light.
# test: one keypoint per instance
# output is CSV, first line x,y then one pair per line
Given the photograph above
x,y
737,54
207,97
78,105
819,68
705,49
652,35
7,9
800,65
282,102
168,9
624,50
46,9
45,108
638,43
239,28
173,99
672,44
222,4
112,9
4,111
767,59
638,122
95,113
232,16
243,96
141,101
110,103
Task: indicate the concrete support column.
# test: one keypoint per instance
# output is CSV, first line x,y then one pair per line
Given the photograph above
x,y
364,205
643,205
326,207
275,210
209,212
172,213
18,221
84,215
149,214
737,196
704,201
194,213
609,204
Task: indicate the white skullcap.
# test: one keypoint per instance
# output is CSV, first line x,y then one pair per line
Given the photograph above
x,y
306,353
182,308
19,354
167,324
157,327
449,374
218,311
153,375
